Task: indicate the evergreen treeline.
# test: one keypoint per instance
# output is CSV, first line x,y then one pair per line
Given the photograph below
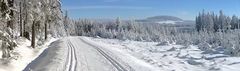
x,y
216,23
118,29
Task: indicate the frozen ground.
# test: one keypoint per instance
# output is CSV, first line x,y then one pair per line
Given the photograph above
x,y
167,57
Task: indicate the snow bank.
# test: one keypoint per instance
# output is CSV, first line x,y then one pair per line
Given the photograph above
x,y
22,55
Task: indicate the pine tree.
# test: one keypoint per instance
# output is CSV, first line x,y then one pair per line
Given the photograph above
x,y
118,22
6,37
222,20
234,22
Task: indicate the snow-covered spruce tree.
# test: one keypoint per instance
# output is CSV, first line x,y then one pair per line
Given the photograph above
x,y
66,23
6,9
57,27
118,24
216,23
222,20
234,22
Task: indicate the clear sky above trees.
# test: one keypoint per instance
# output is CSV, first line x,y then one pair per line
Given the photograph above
x,y
128,9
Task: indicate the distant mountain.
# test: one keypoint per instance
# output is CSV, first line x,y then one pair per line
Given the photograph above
x,y
164,20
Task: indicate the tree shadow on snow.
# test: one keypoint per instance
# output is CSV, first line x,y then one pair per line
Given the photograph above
x,y
34,64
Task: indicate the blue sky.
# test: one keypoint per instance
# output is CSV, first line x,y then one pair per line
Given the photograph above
x,y
139,9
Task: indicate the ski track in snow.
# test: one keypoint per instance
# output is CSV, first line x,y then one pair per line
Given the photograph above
x,y
117,65
71,62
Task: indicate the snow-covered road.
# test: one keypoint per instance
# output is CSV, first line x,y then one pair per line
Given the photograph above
x,y
79,54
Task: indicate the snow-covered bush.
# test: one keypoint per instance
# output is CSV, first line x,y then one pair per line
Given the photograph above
x,y
204,46
163,43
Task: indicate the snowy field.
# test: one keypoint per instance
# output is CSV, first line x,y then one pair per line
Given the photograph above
x,y
170,57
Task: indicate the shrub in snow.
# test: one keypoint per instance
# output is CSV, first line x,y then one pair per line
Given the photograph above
x,y
234,51
229,51
183,42
163,43
204,46
215,45
195,41
40,42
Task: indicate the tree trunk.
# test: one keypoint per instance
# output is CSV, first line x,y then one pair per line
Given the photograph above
x,y
46,29
20,20
33,34
25,33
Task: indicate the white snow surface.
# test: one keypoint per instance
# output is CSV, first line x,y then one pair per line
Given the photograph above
x,y
22,55
173,57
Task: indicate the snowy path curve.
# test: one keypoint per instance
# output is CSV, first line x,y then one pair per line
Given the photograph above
x,y
81,54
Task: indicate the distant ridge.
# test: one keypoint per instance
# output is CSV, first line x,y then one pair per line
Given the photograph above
x,y
160,18
164,18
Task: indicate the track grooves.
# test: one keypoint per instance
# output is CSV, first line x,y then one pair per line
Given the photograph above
x,y
68,60
117,65
71,59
